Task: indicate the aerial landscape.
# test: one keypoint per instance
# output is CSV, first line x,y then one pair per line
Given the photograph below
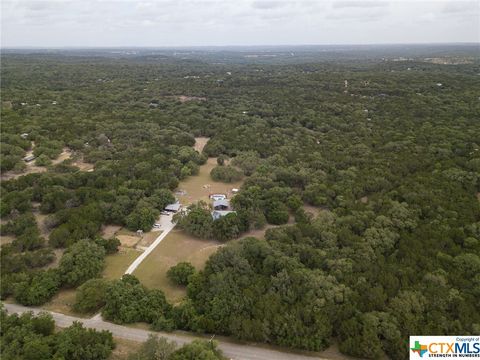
x,y
237,201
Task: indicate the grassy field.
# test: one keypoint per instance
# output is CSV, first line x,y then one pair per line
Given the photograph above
x,y
117,264
176,247
201,186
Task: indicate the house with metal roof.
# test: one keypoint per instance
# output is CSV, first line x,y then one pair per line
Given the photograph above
x,y
221,204
173,207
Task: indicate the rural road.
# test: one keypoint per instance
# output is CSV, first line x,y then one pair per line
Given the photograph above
x,y
230,349
166,226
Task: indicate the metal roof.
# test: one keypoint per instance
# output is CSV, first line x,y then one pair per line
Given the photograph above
x,y
224,202
173,207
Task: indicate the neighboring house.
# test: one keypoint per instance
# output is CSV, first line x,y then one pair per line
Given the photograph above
x,y
216,197
217,214
221,205
173,207
29,158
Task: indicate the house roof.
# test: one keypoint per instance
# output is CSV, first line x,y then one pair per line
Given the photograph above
x,y
173,207
224,202
218,196
221,213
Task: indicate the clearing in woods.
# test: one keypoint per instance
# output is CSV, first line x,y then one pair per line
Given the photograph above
x,y
200,143
177,245
201,186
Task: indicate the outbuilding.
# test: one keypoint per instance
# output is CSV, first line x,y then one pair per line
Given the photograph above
x,y
173,207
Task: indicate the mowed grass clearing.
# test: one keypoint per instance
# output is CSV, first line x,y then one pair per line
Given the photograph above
x,y
176,247
117,264
200,186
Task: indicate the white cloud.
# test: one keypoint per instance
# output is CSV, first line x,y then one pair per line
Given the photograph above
x,y
234,22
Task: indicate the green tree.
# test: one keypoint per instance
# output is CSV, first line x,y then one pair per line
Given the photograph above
x,y
180,273
226,174
91,296
84,260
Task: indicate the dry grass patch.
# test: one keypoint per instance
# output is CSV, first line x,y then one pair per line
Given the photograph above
x,y
176,247
82,165
117,264
62,303
109,231
123,348
64,155
200,143
127,238
30,169
40,219
6,239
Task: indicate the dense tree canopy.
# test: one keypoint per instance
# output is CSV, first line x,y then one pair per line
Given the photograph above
x,y
371,188
32,337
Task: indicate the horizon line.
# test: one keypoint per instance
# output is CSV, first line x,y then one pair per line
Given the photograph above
x,y
59,47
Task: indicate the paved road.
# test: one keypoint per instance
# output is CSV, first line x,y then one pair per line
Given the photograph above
x,y
231,350
166,226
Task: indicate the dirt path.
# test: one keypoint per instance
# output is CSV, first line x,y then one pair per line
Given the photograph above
x,y
200,143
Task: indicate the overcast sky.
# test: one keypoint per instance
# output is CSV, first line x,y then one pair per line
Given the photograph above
x,y
80,23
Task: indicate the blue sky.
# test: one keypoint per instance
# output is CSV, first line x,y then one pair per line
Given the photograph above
x,y
80,23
